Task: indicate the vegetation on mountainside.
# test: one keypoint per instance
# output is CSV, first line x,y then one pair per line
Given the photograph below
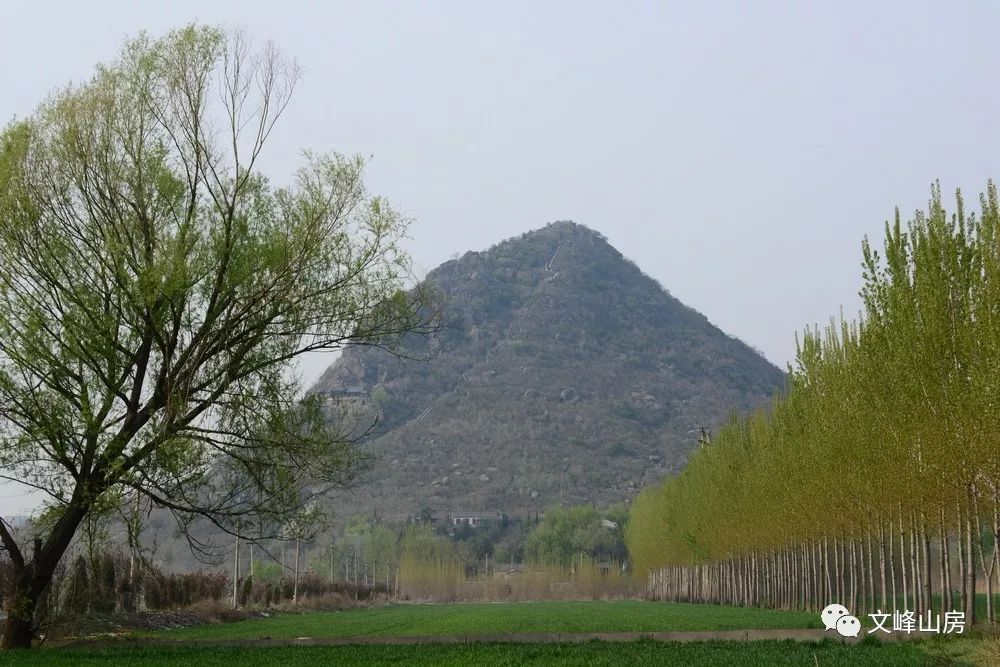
x,y
561,375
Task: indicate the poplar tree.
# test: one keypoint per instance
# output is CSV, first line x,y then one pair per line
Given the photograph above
x,y
882,443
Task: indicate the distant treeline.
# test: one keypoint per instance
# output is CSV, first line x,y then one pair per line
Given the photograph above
x,y
874,480
365,551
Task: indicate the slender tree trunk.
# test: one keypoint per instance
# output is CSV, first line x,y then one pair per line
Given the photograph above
x,y
916,580
942,578
813,575
786,580
863,577
996,542
795,592
881,564
892,567
925,547
791,579
970,573
738,573
734,585
783,579
914,567
963,591
744,582
947,596
902,562
854,574
807,577
755,564
985,565
788,576
826,569
779,580
837,572
766,580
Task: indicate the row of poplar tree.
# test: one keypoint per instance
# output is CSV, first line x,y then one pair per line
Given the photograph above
x,y
873,479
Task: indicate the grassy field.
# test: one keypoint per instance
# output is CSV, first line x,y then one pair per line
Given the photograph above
x,y
501,618
438,620
495,654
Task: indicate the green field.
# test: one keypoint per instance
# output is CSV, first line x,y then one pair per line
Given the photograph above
x,y
592,653
456,621
501,618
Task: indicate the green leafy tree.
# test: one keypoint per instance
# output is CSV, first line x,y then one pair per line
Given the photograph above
x,y
884,441
155,288
565,533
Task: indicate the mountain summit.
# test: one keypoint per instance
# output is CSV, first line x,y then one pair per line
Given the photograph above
x,y
562,374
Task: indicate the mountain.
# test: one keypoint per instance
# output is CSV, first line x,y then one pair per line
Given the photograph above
x,y
561,374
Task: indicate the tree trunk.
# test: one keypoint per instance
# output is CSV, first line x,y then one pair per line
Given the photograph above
x,y
915,569
854,574
813,577
826,571
19,628
970,573
32,578
892,567
804,570
963,592
838,591
985,564
790,578
881,564
996,543
925,547
902,562
947,597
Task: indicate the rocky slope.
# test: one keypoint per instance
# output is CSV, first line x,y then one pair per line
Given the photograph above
x,y
562,374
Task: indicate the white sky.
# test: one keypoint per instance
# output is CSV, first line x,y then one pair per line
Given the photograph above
x,y
738,153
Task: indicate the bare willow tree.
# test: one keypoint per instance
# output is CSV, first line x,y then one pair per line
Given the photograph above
x,y
156,289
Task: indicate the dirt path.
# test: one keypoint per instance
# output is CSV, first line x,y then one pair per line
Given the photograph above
x,y
519,638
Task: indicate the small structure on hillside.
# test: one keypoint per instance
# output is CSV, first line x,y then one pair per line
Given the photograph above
x,y
350,390
457,518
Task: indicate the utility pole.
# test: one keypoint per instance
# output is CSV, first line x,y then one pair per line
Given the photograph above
x,y
236,572
295,584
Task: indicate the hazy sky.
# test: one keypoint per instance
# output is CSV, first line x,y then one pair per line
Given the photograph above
x,y
737,152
